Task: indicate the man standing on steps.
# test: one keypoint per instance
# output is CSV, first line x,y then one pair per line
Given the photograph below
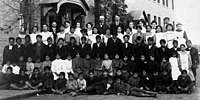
x,y
54,31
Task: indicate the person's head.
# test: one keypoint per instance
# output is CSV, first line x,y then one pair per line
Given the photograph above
x,y
131,24
72,40
109,80
9,70
175,43
149,27
49,40
141,23
70,76
166,20
105,73
150,41
61,75
132,57
83,39
54,24
117,56
162,43
97,57
165,72
84,32
18,40
39,38
47,69
78,25
126,38
36,70
78,55
125,58
62,28
87,56
91,73
47,58
144,73
142,58
179,26
57,56
11,41
138,39
72,29
118,80
158,29
29,59
119,29
169,27
21,58
118,72
60,41
37,60
154,24
164,59
117,18
114,36
67,24
44,27
175,55
94,30
106,56
69,57
184,73
135,74
189,43
152,57
124,70
182,46
80,76
27,39
8,62
139,29
98,38
108,31
22,72
89,25
128,30
34,29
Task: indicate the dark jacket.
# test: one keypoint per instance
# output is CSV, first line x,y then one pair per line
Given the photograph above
x,y
27,49
114,47
72,49
138,50
61,51
194,56
102,28
39,53
173,51
184,82
86,49
126,51
18,51
60,83
113,28
98,50
152,51
51,51
8,55
164,52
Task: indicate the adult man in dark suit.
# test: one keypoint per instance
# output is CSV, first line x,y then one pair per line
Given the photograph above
x,y
8,51
98,47
50,49
102,26
85,48
175,48
194,56
18,48
115,25
151,49
54,31
126,46
28,47
114,46
39,48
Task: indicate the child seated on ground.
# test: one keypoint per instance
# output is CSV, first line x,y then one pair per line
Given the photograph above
x,y
134,80
60,84
35,81
87,62
81,83
96,64
146,81
7,79
29,66
118,74
117,63
125,75
91,78
119,87
107,65
72,85
165,65
21,63
15,68
132,65
19,82
5,66
47,62
184,83
47,80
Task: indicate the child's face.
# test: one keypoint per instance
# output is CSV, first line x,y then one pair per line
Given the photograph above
x,y
126,39
135,75
162,44
57,56
152,58
98,40
69,57
128,31
81,77
78,25
91,75
71,77
21,58
38,60
95,30
132,58
106,56
175,44
125,58
164,60
119,72
77,55
119,30
9,71
61,42
118,81
142,58
105,73
29,59
47,58
49,41
83,41
61,77
62,28
87,56
36,72
116,56
72,30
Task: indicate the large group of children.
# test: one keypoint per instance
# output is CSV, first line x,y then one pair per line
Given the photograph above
x,y
102,60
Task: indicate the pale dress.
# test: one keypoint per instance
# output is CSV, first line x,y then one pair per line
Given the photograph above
x,y
179,36
121,37
170,36
107,65
158,37
184,60
175,69
45,36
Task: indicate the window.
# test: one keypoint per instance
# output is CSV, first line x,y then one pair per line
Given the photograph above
x,y
159,21
172,4
149,18
158,1
155,18
163,2
167,3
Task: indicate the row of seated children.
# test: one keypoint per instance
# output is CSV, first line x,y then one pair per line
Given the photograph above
x,y
143,85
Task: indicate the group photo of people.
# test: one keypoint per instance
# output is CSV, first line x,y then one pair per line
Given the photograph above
x,y
135,58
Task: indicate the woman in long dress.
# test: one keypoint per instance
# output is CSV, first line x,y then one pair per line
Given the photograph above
x,y
34,34
170,35
78,29
46,34
89,28
159,35
181,35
